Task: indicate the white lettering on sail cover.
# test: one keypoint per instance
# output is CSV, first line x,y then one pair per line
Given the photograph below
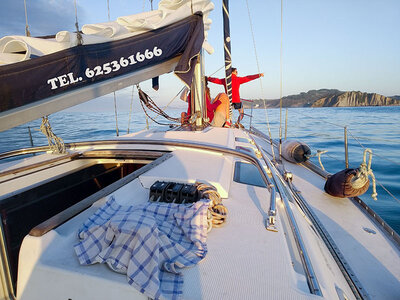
x,y
107,68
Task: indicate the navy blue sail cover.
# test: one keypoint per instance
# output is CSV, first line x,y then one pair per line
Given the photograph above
x,y
42,77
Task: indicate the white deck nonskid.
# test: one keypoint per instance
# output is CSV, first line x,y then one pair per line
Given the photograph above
x,y
373,258
244,259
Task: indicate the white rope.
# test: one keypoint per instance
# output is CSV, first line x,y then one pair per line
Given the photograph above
x,y
56,144
361,177
217,212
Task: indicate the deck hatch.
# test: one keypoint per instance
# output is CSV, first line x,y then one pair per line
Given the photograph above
x,y
248,174
52,196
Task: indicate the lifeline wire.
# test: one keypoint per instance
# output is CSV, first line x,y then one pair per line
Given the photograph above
x,y
362,146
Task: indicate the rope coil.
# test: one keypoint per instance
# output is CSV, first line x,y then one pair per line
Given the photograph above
x,y
217,212
361,177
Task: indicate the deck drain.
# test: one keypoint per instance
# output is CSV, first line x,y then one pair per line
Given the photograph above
x,y
369,230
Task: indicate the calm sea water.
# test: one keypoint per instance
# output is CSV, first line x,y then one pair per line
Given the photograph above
x,y
377,128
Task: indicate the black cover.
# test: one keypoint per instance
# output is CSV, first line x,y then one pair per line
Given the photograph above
x,y
339,184
39,78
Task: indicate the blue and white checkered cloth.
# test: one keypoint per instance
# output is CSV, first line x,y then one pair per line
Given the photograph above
x,y
149,242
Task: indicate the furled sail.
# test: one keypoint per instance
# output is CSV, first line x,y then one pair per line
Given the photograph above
x,y
227,53
53,76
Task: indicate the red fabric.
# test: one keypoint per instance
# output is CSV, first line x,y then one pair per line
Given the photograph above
x,y
236,82
210,107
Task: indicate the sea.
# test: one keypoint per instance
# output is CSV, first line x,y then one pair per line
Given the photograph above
x,y
375,128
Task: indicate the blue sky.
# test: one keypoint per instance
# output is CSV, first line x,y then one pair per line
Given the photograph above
x,y
346,45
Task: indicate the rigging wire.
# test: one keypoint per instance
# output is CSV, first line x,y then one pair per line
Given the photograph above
x,y
180,91
380,156
130,110
286,120
116,115
115,97
261,86
78,33
27,32
152,106
387,191
256,56
280,90
108,8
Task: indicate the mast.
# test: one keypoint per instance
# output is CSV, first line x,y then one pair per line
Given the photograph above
x,y
227,53
198,93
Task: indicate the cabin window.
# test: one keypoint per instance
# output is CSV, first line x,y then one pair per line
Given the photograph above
x,y
248,174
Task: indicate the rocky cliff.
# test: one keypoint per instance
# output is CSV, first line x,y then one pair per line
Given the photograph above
x,y
328,98
355,99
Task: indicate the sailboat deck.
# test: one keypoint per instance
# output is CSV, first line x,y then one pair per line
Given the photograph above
x,y
244,258
358,237
260,258
368,250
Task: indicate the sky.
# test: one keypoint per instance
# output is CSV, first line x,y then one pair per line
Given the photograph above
x,y
350,45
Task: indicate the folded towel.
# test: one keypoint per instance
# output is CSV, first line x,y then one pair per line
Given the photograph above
x,y
150,242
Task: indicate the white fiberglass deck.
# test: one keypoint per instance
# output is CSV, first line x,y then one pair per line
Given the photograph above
x,y
244,259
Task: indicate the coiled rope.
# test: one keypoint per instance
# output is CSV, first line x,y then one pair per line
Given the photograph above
x,y
361,178
217,212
